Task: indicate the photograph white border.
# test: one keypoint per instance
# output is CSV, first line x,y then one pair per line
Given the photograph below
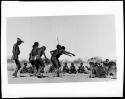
x,y
80,89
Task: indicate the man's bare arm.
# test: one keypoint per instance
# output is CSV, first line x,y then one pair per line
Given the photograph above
x,y
51,52
44,55
68,53
29,56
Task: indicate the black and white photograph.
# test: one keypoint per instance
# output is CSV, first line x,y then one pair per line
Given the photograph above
x,y
61,49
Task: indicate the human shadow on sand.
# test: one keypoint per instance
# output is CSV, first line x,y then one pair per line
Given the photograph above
x,y
41,76
22,76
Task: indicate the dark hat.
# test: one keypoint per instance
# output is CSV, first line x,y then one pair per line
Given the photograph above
x,y
19,40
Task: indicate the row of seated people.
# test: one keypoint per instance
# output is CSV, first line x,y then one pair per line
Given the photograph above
x,y
66,69
103,69
72,68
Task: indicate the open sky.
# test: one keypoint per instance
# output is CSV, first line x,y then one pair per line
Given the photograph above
x,y
86,35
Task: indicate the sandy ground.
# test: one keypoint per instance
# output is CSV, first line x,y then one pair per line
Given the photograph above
x,y
49,78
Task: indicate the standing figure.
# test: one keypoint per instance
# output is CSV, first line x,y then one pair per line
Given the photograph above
x,y
55,57
39,60
32,56
15,57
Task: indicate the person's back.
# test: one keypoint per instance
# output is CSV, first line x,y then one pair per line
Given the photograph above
x,y
40,51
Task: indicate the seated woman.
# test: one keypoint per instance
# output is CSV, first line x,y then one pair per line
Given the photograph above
x,y
72,68
81,68
100,71
24,69
65,69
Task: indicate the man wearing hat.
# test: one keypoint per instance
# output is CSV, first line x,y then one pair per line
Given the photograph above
x,y
16,52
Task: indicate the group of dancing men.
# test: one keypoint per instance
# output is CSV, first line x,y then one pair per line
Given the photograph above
x,y
35,57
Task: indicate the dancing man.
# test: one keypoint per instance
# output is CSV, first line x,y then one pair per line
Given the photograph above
x,y
32,56
55,54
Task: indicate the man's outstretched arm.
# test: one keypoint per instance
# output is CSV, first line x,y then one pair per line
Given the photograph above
x,y
68,53
51,52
